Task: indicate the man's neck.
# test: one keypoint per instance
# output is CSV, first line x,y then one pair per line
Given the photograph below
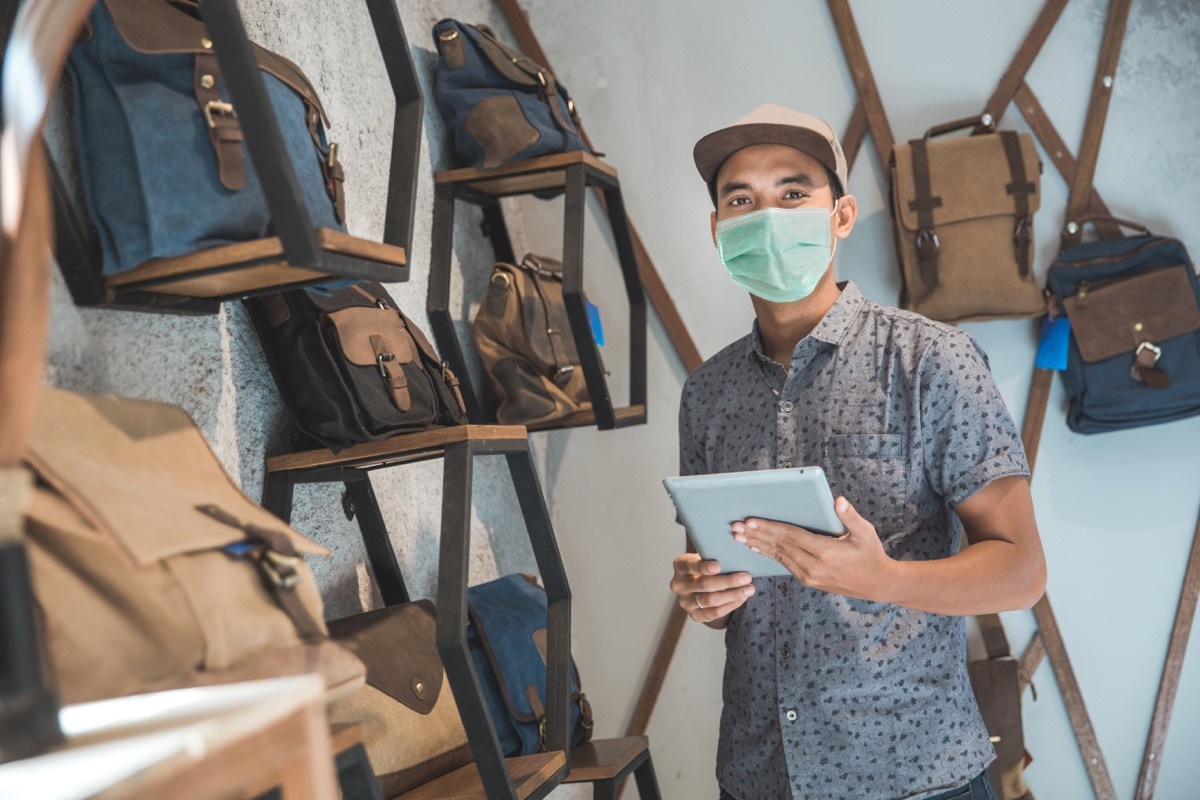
x,y
782,325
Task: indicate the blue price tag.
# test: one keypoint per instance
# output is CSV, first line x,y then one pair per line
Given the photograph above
x,y
1053,344
593,312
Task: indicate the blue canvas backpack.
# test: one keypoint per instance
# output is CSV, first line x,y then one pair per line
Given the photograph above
x,y
1134,310
499,106
162,163
506,635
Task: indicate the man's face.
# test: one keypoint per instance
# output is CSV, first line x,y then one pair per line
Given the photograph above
x,y
776,176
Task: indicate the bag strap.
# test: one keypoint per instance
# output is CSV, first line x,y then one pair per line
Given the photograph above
x,y
548,88
1100,219
562,364
985,121
924,203
994,640
1093,128
1021,189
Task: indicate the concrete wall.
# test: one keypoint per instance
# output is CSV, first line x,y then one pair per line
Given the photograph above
x,y
1116,511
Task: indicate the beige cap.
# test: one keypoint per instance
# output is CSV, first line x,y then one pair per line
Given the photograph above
x,y
772,124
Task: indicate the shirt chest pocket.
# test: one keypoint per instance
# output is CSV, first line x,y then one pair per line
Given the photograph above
x,y
869,469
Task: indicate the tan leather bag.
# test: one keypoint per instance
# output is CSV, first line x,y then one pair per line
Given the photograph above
x,y
150,567
523,337
962,213
410,722
997,686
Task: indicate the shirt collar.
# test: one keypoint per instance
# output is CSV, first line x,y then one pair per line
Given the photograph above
x,y
833,326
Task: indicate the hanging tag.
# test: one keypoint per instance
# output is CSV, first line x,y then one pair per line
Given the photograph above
x,y
1053,344
593,312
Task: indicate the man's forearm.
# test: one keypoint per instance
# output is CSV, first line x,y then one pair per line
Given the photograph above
x,y
986,577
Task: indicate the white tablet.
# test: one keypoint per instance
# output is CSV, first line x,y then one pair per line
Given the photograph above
x,y
709,504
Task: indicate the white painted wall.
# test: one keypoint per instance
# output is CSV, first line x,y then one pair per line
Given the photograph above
x,y
1117,511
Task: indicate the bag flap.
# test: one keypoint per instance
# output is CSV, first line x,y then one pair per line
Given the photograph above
x,y
1121,314
538,281
139,472
513,65
399,646
366,333
970,174
156,27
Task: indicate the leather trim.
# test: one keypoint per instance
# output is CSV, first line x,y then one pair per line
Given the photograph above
x,y
356,327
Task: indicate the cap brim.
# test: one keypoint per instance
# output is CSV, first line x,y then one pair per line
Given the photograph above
x,y
712,151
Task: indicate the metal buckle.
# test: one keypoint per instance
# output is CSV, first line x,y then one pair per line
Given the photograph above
x,y
542,78
1022,229
218,106
380,359
1153,348
927,243
448,36
331,156
280,569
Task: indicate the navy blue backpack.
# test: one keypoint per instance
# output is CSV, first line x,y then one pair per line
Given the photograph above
x,y
161,158
500,106
1134,311
506,636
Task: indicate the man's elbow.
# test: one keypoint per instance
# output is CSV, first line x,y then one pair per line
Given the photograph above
x,y
1033,587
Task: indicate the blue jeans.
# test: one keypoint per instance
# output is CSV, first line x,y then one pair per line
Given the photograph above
x,y
977,788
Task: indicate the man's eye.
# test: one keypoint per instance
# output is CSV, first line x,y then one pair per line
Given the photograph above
x,y
794,194
739,201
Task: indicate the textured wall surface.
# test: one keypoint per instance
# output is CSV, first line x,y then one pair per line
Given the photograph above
x,y
1117,511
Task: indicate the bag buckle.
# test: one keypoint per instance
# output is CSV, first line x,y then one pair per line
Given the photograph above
x,y
1021,232
219,107
1153,348
379,361
563,374
928,244
280,569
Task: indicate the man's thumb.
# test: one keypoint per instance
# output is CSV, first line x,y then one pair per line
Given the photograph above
x,y
846,513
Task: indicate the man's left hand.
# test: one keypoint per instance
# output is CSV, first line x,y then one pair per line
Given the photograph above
x,y
853,564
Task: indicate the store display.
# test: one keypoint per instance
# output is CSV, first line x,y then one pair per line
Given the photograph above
x,y
523,337
962,214
499,105
152,570
1134,310
161,156
352,367
507,636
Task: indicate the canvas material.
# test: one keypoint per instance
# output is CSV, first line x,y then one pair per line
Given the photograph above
x,y
149,172
510,335
507,639
334,392
496,112
410,721
135,590
978,274
1102,394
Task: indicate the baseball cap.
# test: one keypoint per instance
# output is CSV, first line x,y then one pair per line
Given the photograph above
x,y
772,124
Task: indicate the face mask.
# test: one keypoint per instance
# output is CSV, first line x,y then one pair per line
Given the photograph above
x,y
778,254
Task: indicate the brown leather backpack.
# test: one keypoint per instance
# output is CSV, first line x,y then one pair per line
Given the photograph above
x,y
963,218
996,681
524,339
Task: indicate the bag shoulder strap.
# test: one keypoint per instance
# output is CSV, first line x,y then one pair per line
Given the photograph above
x,y
1021,189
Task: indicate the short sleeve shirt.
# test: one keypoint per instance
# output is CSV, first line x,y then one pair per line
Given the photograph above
x,y
829,697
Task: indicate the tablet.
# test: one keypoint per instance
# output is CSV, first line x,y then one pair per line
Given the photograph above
x,y
709,504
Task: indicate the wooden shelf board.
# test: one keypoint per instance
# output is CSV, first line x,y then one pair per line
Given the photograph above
x,y
625,416
528,774
245,267
405,447
604,759
530,175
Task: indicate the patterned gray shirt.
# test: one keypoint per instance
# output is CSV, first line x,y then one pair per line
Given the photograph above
x,y
830,697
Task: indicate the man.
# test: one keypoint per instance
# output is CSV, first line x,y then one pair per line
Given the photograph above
x,y
847,679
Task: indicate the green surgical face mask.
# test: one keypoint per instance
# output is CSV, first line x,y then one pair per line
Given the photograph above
x,y
778,254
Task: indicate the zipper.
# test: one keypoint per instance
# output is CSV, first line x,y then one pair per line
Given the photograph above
x,y
1110,259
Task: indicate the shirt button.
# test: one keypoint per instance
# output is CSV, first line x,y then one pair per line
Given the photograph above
x,y
791,715
786,464
787,405
785,589
785,652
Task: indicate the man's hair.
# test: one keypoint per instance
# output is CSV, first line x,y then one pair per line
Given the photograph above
x,y
835,185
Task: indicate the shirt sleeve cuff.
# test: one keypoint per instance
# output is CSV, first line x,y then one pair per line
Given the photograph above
x,y
1002,466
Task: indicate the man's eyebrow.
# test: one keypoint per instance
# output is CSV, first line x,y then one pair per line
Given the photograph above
x,y
733,186
800,178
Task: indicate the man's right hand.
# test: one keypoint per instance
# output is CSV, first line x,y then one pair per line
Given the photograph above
x,y
705,594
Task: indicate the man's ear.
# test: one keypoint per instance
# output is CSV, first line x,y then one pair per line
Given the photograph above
x,y
712,218
844,217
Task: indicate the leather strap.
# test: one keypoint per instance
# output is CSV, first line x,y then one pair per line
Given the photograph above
x,y
924,203
392,373
224,130
331,168
277,560
1145,366
1021,190
562,364
994,639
